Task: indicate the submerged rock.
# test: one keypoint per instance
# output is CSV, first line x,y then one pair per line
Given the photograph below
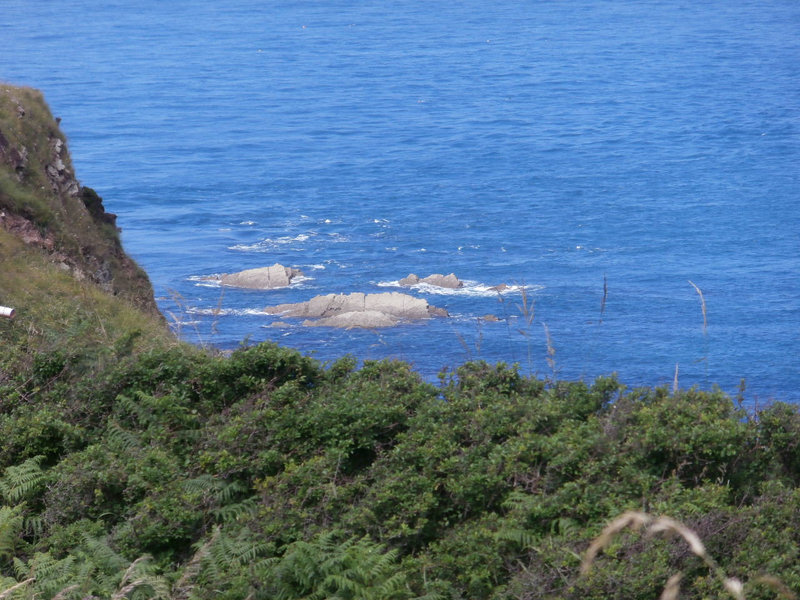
x,y
358,310
262,278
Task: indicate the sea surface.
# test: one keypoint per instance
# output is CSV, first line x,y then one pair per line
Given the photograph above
x,y
599,156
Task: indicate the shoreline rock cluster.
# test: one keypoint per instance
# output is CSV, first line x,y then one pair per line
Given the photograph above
x,y
347,311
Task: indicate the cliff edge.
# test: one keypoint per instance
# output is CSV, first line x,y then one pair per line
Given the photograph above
x,y
43,205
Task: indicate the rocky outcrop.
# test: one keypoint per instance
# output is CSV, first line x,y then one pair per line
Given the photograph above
x,y
262,278
437,279
358,310
44,205
62,179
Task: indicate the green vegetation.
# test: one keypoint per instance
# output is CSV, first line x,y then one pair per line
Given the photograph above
x,y
133,466
265,475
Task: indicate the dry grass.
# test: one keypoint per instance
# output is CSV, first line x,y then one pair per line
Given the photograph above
x,y
9,591
651,525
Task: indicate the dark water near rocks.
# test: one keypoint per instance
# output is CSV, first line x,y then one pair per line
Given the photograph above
x,y
548,144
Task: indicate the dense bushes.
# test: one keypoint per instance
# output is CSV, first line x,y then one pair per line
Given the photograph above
x,y
263,474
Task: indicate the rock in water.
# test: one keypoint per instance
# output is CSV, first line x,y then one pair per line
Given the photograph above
x,y
365,319
412,279
446,281
437,279
358,310
262,278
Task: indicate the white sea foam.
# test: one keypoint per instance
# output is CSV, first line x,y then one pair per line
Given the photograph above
x,y
211,281
272,243
269,244
470,288
247,223
226,312
177,324
299,280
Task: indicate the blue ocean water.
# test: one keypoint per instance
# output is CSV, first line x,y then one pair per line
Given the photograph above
x,y
560,146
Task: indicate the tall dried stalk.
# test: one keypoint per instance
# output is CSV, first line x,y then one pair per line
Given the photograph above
x,y
551,351
675,381
702,305
527,307
605,297
528,311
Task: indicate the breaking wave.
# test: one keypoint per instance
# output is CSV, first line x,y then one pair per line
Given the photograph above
x,y
470,288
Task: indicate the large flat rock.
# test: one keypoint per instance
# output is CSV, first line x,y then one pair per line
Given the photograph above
x,y
262,278
358,310
365,319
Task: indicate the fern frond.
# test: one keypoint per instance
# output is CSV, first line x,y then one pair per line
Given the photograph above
x,y
34,525
229,491
102,555
183,587
11,521
137,408
121,440
519,537
21,481
235,512
20,568
394,584
342,583
52,575
203,484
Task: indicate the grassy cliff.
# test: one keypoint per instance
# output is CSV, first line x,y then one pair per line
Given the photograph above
x,y
62,267
44,205
133,466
